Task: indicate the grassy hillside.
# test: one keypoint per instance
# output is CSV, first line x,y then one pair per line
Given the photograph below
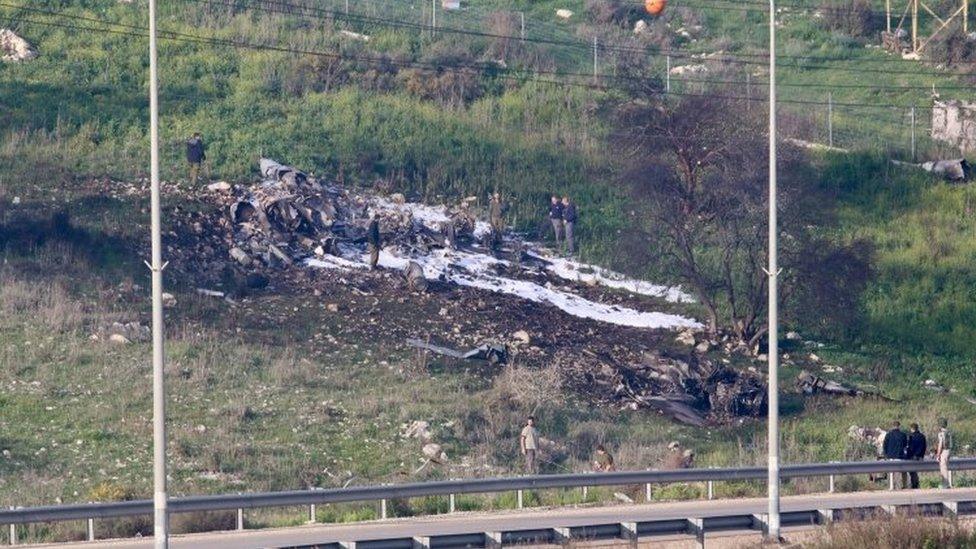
x,y
271,410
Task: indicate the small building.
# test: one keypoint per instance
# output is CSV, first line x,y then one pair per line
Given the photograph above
x,y
954,122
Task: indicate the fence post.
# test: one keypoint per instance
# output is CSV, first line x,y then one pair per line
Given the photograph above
x,y
913,134
594,58
667,74
522,25
830,119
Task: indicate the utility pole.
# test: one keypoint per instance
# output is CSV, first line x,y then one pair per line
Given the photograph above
x,y
522,26
161,523
594,58
433,17
888,15
667,74
915,26
772,531
830,118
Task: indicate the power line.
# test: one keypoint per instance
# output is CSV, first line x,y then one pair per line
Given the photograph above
x,y
491,70
281,7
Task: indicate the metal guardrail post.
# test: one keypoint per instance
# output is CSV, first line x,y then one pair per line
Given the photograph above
x,y
90,529
519,496
586,493
451,504
647,492
831,488
383,509
240,518
311,510
13,531
891,481
711,490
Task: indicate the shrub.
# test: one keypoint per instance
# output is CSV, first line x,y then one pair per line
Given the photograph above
x,y
903,533
853,17
203,521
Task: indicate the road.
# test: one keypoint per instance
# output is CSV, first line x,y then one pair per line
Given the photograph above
x,y
529,519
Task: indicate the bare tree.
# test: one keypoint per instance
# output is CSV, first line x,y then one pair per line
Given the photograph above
x,y
697,170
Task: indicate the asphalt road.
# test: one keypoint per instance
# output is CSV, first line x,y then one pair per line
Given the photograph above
x,y
531,519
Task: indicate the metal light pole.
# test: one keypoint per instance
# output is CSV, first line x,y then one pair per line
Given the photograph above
x,y
161,524
773,354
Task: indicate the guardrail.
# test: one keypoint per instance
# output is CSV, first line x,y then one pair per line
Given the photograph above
x,y
240,502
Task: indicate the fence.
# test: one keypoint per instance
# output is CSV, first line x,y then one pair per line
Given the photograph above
x,y
239,502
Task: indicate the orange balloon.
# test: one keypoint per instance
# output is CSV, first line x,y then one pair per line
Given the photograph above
x,y
655,7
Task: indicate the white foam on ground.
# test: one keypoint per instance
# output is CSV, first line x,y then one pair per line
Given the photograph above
x,y
477,271
591,274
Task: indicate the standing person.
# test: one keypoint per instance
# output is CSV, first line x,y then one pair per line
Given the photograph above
x,y
569,223
556,218
894,447
195,156
373,239
915,451
602,460
496,219
943,448
529,442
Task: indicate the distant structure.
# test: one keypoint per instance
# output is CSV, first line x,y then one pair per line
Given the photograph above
x,y
899,40
451,4
954,122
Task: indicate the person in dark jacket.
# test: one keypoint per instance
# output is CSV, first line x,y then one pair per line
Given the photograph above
x,y
895,447
915,451
195,156
569,223
556,218
373,239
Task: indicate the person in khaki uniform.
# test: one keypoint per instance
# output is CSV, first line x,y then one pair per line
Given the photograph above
x,y
943,448
529,443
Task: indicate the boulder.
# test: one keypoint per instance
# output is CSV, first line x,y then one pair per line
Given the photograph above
x,y
521,337
14,49
686,337
240,256
119,339
220,186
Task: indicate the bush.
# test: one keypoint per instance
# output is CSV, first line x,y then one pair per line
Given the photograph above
x,y
853,17
952,48
203,521
903,533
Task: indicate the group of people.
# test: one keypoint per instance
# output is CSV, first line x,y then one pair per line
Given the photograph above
x,y
562,215
602,461
898,445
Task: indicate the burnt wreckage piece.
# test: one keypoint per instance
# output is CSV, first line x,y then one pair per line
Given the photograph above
x,y
489,352
695,391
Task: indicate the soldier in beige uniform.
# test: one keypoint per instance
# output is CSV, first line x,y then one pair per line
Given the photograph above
x,y
943,447
529,442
